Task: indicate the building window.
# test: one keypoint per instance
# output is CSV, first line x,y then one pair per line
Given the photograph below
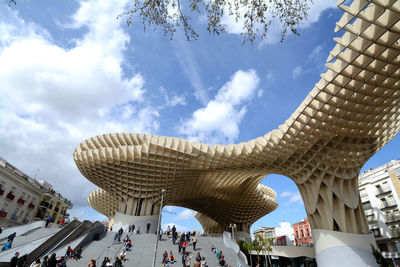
x,y
376,232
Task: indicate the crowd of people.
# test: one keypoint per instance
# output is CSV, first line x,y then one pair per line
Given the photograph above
x,y
182,240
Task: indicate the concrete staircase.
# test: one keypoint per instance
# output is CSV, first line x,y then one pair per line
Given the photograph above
x,y
143,251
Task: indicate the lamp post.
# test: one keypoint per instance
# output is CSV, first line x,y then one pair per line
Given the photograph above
x,y
233,226
158,227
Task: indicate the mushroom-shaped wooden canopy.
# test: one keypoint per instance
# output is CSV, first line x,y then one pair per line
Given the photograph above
x,y
350,114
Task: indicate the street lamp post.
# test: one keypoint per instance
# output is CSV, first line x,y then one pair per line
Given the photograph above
x,y
233,226
158,227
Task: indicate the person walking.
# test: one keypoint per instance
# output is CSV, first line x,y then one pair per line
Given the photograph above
x,y
14,260
62,222
92,263
194,241
148,227
180,246
52,261
48,219
203,262
184,246
45,261
184,259
12,236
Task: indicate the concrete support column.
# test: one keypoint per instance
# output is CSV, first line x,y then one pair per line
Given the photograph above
x,y
343,249
339,228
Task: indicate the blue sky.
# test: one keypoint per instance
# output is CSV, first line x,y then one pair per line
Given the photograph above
x,y
69,70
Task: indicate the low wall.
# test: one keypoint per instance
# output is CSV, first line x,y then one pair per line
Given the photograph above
x,y
123,220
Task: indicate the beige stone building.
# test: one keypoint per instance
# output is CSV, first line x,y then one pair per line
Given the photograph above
x,y
19,196
24,199
52,204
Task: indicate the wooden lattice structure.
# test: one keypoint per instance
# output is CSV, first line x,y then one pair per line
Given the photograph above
x,y
350,114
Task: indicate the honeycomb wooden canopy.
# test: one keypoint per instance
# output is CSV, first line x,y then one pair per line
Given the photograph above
x,y
350,114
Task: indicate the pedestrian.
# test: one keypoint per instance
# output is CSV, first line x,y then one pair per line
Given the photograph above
x,y
62,222
120,232
12,236
92,263
104,263
122,255
133,228
168,230
194,241
118,262
203,262
45,261
48,219
7,245
62,262
184,259
52,261
78,253
36,263
179,246
148,227
138,230
184,246
198,257
161,233
22,261
68,253
14,260
188,258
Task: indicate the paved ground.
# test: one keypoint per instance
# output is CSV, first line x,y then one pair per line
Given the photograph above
x,y
143,251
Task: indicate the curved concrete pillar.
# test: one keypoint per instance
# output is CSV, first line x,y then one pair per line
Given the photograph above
x,y
334,248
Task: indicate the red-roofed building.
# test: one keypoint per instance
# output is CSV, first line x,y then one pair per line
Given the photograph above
x,y
302,233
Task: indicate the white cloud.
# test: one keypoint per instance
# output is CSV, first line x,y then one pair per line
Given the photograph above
x,y
184,215
286,194
174,100
53,98
218,121
179,228
274,32
190,68
316,53
284,228
294,197
296,72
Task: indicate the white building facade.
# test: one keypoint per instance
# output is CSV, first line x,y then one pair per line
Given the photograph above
x,y
19,196
379,191
24,199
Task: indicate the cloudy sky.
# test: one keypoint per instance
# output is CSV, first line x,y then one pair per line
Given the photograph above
x,y
70,70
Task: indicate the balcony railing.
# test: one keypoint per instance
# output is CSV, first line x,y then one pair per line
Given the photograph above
x,y
381,191
367,207
44,204
392,218
395,234
31,206
3,214
21,201
1,192
10,196
389,204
